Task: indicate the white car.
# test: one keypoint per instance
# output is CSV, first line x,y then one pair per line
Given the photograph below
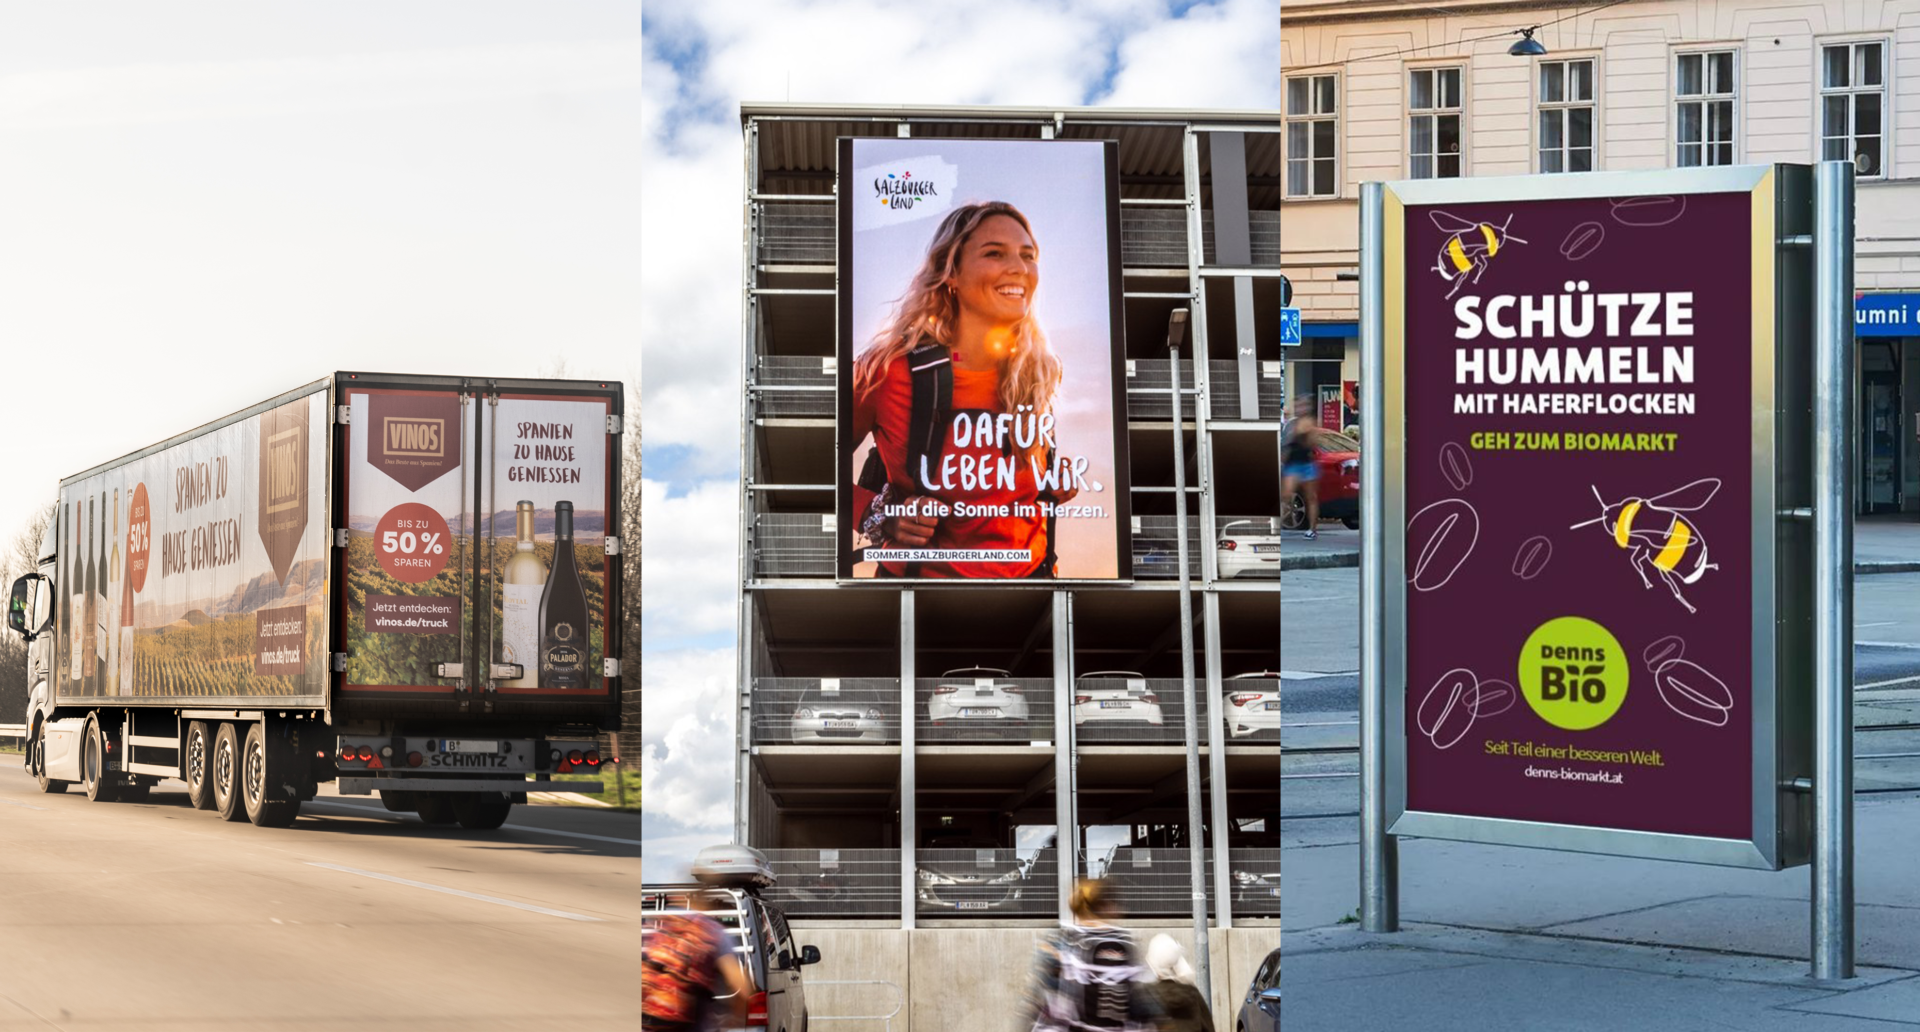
x,y
977,699
1253,705
1115,697
829,714
1248,548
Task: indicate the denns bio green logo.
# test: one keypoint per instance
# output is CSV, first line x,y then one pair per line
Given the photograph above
x,y
1573,673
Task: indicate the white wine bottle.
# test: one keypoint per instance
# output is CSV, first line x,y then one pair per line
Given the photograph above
x,y
523,580
110,613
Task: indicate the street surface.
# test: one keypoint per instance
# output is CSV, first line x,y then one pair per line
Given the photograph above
x,y
1505,937
157,916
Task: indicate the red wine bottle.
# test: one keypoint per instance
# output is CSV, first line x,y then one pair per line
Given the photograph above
x,y
564,633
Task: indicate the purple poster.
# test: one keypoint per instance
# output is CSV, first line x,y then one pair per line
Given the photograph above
x,y
1578,473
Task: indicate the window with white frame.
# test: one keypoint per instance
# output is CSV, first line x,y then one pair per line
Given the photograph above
x,y
1853,103
1312,132
1433,139
1566,116
1704,88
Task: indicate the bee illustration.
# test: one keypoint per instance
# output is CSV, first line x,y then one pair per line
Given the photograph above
x,y
1470,247
1657,537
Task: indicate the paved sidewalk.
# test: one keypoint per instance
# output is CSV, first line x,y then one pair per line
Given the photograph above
x,y
1880,545
1498,937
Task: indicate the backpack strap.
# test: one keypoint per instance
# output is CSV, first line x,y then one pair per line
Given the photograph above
x,y
932,369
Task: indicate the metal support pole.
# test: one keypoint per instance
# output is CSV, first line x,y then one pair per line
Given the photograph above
x,y
1066,838
1833,426
1379,856
909,769
1222,838
1196,848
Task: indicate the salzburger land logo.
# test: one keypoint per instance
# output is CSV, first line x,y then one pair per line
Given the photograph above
x,y
902,191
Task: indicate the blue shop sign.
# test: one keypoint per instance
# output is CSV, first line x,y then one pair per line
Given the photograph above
x,y
1886,315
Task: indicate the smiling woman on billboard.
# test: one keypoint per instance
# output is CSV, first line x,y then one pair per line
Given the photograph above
x,y
979,447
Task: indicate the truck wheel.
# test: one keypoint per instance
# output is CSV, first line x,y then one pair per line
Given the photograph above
x,y
93,764
39,757
480,811
226,774
198,769
436,808
264,769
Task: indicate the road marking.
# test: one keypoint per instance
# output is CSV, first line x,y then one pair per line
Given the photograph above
x,y
453,892
1885,684
1311,675
23,806
1355,599
390,815
1888,644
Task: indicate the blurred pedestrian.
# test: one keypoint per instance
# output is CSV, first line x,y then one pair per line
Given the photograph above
x,y
1088,975
1174,989
690,980
1299,465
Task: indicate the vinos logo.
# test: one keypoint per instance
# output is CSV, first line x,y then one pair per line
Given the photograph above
x,y
900,192
1573,673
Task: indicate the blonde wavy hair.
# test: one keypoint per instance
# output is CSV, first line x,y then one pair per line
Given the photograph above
x,y
928,311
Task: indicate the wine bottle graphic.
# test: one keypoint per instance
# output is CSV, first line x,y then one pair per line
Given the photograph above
x,y
110,613
563,612
89,681
126,608
73,607
524,581
100,650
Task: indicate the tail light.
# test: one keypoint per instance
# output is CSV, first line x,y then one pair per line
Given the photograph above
x,y
573,756
946,689
1243,699
414,759
1082,700
1229,545
346,754
757,1010
366,753
593,759
1010,689
1150,699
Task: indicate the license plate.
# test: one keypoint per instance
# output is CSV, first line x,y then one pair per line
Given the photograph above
x,y
1274,705
837,725
1116,705
970,904
472,745
977,711
1267,548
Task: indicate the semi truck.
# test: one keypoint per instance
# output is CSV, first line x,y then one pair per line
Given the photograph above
x,y
407,585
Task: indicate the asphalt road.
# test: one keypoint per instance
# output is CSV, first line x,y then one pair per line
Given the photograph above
x,y
156,916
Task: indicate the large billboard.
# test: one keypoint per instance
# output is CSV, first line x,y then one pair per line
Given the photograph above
x,y
982,411
1582,545
199,570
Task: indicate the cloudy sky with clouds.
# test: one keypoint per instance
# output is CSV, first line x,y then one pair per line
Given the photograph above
x,y
701,60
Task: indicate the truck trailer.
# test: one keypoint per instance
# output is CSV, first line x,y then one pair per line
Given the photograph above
x,y
410,585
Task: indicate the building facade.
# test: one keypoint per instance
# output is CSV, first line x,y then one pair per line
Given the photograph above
x,y
1376,90
903,817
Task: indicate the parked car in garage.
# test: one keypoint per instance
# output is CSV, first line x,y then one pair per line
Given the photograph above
x,y
1260,1011
828,713
1253,705
968,873
1337,457
1115,697
1249,548
977,701
764,943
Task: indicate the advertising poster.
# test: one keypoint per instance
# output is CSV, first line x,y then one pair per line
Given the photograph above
x,y
1579,446
409,470
548,489
980,360
200,571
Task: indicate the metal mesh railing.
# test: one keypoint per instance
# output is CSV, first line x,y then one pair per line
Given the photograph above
x,y
986,882
1150,882
1153,237
1255,874
794,544
795,385
1148,381
1156,546
1130,711
983,709
793,233
836,882
826,711
1223,389
1265,230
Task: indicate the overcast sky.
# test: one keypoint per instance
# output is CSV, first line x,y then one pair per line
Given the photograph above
x,y
702,60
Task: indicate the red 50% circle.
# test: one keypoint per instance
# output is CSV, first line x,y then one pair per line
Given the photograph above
x,y
412,542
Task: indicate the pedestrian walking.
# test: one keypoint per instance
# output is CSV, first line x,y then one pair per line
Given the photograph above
x,y
1088,975
1174,989
690,980
1298,466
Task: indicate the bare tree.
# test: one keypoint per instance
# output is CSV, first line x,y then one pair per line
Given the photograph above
x,y
21,556
630,552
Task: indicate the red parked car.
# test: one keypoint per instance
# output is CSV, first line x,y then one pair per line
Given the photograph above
x,y
1338,457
